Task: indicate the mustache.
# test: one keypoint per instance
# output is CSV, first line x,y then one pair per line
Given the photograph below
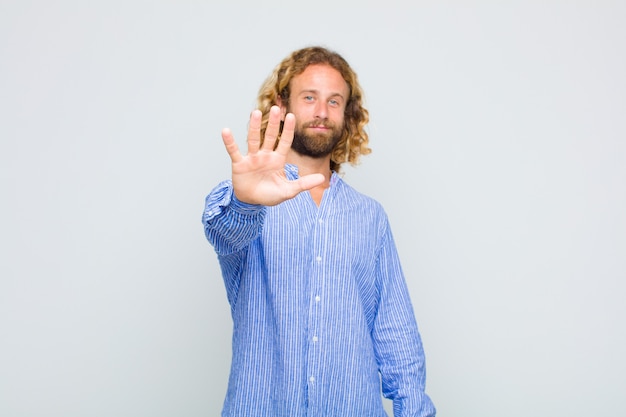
x,y
320,123
325,123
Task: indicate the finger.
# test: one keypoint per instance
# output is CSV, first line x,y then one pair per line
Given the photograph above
x,y
273,127
231,145
286,138
254,131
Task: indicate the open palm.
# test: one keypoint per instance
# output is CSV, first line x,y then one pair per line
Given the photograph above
x,y
259,177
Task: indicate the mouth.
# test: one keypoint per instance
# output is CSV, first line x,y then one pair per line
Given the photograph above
x,y
321,128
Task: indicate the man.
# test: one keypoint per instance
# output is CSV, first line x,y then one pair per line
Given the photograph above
x,y
319,303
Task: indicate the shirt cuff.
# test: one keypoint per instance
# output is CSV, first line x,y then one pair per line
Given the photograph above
x,y
223,196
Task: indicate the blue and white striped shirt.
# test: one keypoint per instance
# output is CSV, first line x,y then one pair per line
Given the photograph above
x,y
320,307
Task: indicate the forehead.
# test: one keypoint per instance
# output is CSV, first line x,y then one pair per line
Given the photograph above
x,y
322,78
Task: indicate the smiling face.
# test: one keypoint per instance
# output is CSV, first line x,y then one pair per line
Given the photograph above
x,y
318,98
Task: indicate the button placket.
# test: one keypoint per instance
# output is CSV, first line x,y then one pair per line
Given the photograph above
x,y
315,308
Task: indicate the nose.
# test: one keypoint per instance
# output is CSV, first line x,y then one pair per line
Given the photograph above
x,y
321,110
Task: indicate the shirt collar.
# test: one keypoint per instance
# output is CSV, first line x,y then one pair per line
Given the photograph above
x,y
291,171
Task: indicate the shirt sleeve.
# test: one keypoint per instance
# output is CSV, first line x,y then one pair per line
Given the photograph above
x,y
230,226
397,341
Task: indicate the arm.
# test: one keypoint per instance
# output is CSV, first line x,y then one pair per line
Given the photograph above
x,y
234,211
397,340
229,224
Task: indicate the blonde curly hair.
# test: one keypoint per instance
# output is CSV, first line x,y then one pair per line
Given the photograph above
x,y
354,140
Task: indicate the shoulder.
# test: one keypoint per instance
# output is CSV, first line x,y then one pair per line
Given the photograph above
x,y
358,200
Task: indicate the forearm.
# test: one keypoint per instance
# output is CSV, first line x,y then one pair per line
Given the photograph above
x,y
397,341
229,224
401,359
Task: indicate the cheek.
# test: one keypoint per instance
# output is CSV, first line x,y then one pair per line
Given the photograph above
x,y
338,117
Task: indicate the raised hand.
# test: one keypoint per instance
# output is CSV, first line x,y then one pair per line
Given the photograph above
x,y
259,177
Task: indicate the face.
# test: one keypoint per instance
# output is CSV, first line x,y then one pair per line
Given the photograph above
x,y
318,99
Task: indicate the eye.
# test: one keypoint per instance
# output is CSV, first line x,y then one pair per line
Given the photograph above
x,y
333,102
308,98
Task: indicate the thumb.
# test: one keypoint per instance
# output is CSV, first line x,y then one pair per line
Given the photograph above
x,y
308,181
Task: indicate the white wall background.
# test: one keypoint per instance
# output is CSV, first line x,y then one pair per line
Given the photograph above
x,y
499,137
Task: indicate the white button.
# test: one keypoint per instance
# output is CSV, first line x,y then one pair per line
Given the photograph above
x,y
315,338
318,258
320,221
312,379
317,298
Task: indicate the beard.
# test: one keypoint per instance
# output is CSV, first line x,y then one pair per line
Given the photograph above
x,y
319,144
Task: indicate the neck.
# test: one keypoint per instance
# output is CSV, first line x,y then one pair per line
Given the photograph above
x,y
308,165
